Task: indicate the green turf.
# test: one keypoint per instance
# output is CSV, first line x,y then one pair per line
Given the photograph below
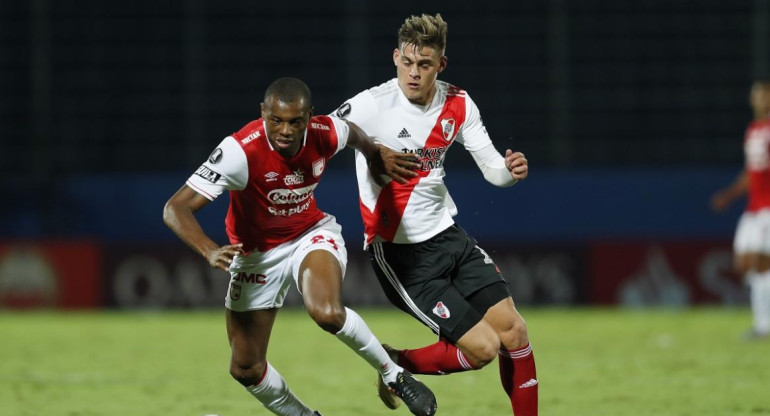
x,y
590,362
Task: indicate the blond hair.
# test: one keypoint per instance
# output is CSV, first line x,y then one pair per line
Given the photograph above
x,y
425,30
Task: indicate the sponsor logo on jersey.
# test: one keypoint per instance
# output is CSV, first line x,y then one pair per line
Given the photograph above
x,y
343,111
430,158
287,212
235,291
403,134
441,310
208,174
448,128
255,278
271,176
250,137
319,126
318,167
215,156
291,196
295,178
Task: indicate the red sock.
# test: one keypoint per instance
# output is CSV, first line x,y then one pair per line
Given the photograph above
x,y
519,378
439,358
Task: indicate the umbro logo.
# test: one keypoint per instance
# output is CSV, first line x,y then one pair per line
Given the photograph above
x,y
271,176
531,383
404,134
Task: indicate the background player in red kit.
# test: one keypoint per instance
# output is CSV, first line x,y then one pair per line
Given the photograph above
x,y
427,265
277,234
752,237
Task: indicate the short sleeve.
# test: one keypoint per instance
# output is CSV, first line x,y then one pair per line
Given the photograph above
x,y
225,169
358,109
343,132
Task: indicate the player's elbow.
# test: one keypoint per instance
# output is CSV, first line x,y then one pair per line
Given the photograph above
x,y
169,213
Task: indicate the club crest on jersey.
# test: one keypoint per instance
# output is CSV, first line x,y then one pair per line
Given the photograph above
x,y
318,167
295,178
448,128
441,310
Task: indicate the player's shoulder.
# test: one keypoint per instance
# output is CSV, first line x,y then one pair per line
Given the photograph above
x,y
250,132
384,90
321,123
450,90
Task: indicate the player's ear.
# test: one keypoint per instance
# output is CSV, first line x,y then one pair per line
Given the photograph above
x,y
262,109
396,55
442,63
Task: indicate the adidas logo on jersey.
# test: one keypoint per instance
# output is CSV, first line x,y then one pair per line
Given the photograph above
x,y
404,134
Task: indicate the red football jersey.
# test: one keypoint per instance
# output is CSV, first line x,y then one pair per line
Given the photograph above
x,y
271,197
757,149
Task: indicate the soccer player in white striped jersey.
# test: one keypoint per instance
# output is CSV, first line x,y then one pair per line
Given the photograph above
x,y
426,264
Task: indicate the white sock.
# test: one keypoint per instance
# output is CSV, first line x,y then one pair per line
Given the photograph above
x,y
273,392
760,302
357,335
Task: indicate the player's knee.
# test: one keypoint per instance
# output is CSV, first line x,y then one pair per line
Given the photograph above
x,y
248,375
330,317
483,350
515,335
484,354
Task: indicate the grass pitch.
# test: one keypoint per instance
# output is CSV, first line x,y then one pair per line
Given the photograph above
x,y
590,362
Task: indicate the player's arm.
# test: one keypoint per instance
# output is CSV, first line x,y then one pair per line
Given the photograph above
x,y
498,170
721,200
179,215
381,159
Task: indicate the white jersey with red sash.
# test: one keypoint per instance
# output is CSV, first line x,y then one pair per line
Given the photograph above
x,y
416,211
271,197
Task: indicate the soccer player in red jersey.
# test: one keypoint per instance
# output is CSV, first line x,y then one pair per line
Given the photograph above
x,y
277,234
752,237
426,264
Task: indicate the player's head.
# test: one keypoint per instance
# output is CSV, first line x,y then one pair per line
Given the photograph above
x,y
760,99
420,56
286,110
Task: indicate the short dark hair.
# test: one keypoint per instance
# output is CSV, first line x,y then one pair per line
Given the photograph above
x,y
289,90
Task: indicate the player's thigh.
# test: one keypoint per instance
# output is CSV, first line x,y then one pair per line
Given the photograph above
x,y
319,261
417,278
249,334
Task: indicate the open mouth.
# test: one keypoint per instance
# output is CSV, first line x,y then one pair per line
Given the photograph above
x,y
283,143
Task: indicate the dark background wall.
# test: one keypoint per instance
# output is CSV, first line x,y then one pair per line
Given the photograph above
x,y
631,114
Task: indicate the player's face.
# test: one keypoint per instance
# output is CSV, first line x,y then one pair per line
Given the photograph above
x,y
285,124
418,68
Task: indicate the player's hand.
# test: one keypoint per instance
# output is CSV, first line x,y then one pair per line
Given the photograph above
x,y
720,202
398,165
221,257
516,164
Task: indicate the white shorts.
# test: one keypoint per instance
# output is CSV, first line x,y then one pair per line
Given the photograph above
x,y
261,279
753,233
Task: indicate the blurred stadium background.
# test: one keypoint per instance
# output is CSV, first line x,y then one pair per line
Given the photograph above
x,y
631,113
